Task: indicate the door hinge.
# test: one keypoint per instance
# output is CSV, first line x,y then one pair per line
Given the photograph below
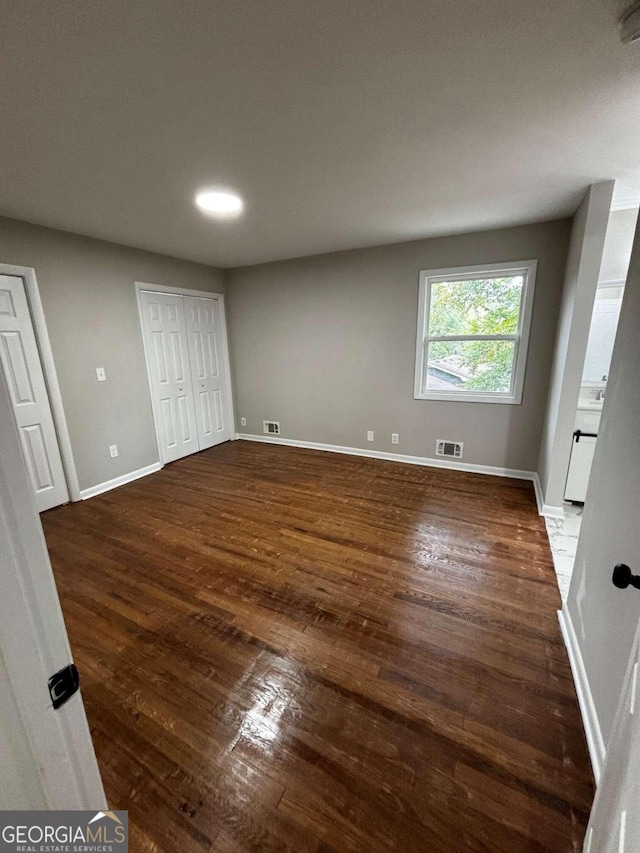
x,y
63,685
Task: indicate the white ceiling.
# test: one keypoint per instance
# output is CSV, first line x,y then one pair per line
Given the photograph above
x,y
343,123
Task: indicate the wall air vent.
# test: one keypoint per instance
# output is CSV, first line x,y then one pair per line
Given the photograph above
x,y
271,427
452,449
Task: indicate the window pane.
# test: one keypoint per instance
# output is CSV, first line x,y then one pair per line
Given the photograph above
x,y
470,366
486,306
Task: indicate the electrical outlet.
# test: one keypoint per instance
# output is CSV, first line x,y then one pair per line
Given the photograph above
x,y
243,421
370,435
101,374
395,438
113,450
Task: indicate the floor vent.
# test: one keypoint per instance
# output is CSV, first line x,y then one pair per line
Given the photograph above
x,y
452,449
271,427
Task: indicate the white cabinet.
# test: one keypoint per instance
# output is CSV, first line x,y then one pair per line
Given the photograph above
x,y
579,468
582,450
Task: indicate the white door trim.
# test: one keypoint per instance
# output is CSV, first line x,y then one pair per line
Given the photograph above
x,y
177,291
141,286
227,366
34,641
28,275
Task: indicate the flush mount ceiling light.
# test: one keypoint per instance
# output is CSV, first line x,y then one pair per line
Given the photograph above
x,y
219,203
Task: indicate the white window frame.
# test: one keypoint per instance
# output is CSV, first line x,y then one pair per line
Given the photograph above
x,y
521,338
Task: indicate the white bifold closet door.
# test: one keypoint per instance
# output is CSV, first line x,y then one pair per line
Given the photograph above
x,y
202,317
186,364
170,374
23,370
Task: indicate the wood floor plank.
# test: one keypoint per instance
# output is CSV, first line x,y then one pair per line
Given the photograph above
x,y
290,650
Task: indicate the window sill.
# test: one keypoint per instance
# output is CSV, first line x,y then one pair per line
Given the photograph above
x,y
506,399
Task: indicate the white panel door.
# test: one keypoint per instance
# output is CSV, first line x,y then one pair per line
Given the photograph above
x,y
61,772
168,357
21,363
207,370
614,826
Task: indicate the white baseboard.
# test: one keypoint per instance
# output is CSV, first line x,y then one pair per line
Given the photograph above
x,y
551,511
595,741
427,461
119,481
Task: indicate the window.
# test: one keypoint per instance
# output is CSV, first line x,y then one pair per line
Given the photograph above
x,y
473,331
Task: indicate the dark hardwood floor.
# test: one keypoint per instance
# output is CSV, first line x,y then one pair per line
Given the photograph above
x,y
284,649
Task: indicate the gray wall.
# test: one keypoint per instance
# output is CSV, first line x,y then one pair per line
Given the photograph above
x,y
88,296
326,345
605,618
579,292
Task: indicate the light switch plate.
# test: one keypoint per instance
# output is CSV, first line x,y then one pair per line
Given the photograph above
x,y
101,374
113,450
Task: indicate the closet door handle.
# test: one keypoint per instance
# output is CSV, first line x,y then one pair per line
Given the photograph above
x,y
179,387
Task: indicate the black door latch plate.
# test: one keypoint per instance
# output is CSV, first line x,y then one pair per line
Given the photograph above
x,y
63,685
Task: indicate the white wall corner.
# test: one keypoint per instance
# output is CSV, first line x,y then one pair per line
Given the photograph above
x,y
547,510
593,732
92,491
537,488
576,308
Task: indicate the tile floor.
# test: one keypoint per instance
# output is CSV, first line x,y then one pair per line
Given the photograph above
x,y
563,537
